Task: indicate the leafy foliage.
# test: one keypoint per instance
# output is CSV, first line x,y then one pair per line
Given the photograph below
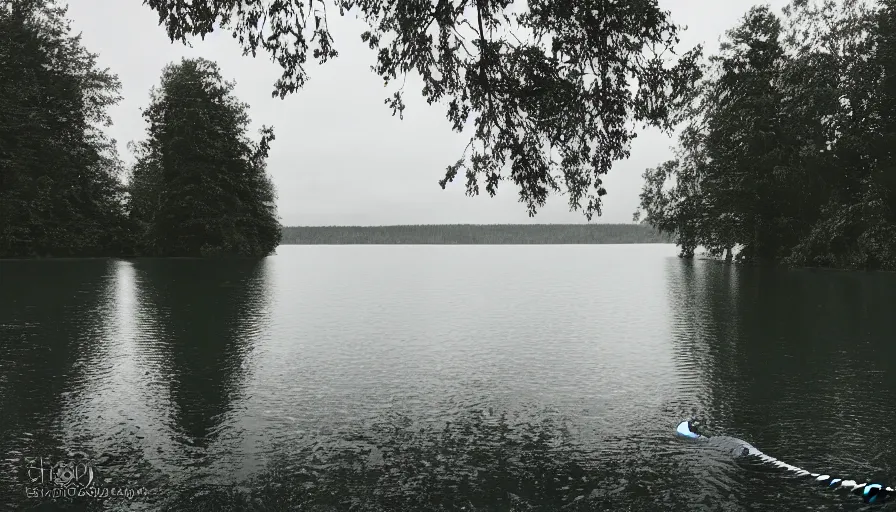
x,y
59,189
553,87
199,185
788,152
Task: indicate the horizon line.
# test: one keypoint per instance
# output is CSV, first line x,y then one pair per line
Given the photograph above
x,y
464,224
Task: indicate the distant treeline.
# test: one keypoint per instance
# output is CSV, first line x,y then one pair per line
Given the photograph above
x,y
493,234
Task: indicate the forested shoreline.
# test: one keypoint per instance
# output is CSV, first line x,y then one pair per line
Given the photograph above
x,y
473,234
789,149
788,153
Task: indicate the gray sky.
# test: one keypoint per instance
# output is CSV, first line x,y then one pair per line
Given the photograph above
x,y
340,157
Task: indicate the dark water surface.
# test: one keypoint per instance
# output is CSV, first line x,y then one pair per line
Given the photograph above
x,y
445,378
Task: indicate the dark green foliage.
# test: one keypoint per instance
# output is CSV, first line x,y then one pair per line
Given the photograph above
x,y
789,150
59,189
476,234
552,92
199,187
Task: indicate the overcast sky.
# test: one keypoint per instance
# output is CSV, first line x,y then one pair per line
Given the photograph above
x,y
340,157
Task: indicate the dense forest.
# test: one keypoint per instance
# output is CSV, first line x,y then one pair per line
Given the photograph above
x,y
786,153
789,148
476,234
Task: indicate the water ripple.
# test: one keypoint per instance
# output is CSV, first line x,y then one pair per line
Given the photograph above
x,y
446,378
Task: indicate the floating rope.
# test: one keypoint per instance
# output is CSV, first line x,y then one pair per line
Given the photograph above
x,y
870,492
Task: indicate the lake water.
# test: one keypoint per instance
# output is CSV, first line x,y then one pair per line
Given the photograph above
x,y
445,378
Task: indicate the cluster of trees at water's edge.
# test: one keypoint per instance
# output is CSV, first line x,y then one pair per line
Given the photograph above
x,y
198,187
493,234
789,152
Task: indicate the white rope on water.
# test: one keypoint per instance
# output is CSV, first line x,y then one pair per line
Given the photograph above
x,y
684,430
